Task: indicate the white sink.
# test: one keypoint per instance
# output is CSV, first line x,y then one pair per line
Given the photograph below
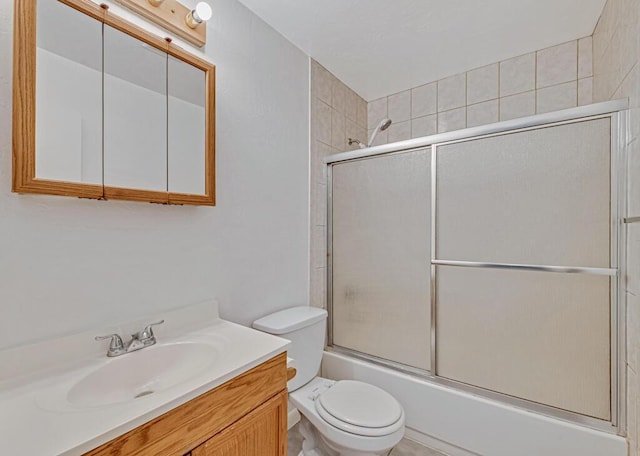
x,y
142,373
78,398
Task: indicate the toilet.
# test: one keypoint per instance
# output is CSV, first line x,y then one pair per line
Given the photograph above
x,y
339,418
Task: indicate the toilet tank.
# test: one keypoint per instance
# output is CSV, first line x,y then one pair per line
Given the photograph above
x,y
305,327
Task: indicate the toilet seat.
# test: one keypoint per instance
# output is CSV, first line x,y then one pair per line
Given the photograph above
x,y
360,408
305,400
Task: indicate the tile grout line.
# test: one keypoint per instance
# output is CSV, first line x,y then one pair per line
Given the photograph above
x,y
535,83
499,89
577,72
623,80
410,113
466,98
438,106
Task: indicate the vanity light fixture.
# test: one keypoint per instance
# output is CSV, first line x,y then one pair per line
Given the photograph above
x,y
200,14
183,21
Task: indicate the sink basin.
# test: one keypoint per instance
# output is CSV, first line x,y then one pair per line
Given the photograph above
x,y
141,373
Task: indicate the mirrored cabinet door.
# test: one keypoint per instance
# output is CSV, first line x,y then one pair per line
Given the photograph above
x,y
135,113
186,127
104,109
68,95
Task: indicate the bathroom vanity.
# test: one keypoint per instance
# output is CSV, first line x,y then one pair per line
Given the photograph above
x,y
246,415
207,387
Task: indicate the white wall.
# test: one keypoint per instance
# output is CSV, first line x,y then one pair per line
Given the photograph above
x,y
69,264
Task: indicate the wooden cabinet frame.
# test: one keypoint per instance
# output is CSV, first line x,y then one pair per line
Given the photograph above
x,y
24,111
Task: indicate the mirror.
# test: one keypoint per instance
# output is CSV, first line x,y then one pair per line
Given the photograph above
x,y
135,113
68,95
187,127
106,110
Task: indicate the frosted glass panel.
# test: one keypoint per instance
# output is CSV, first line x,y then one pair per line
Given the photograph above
x,y
534,197
381,257
534,335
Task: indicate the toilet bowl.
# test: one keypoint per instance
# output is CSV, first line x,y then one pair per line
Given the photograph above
x,y
351,418
339,418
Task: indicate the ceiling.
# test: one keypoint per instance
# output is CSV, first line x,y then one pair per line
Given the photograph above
x,y
380,47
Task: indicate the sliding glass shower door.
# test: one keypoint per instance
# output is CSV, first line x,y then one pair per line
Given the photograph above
x,y
488,262
381,257
535,198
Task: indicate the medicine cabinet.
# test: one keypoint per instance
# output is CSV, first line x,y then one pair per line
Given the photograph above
x,y
106,110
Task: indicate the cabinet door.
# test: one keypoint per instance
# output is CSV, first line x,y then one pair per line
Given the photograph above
x,y
68,95
135,114
263,432
186,128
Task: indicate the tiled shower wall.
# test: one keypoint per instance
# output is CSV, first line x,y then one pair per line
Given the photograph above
x,y
547,80
337,113
616,56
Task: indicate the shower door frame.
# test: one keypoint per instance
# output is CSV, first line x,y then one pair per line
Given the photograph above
x,y
617,112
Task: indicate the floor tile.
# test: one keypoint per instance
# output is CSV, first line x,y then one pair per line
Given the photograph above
x,y
406,447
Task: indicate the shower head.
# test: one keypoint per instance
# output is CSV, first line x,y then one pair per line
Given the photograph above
x,y
382,126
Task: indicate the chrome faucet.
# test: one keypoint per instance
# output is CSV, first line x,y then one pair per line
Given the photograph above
x,y
139,340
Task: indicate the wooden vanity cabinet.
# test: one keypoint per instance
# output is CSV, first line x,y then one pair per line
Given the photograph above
x,y
258,433
246,416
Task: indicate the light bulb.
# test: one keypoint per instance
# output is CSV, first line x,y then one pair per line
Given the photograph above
x,y
204,12
200,14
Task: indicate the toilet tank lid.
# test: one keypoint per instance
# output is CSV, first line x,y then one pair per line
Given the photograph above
x,y
289,320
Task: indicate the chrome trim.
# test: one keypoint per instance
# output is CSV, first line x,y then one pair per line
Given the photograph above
x,y
622,280
632,219
500,398
613,262
415,371
432,267
116,344
141,339
329,271
531,128
619,161
528,267
581,112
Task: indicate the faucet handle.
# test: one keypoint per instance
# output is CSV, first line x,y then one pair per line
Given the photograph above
x,y
116,346
147,332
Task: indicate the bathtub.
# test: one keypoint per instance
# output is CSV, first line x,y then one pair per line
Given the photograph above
x,y
462,424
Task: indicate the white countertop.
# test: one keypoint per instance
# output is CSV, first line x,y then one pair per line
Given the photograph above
x,y
36,419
